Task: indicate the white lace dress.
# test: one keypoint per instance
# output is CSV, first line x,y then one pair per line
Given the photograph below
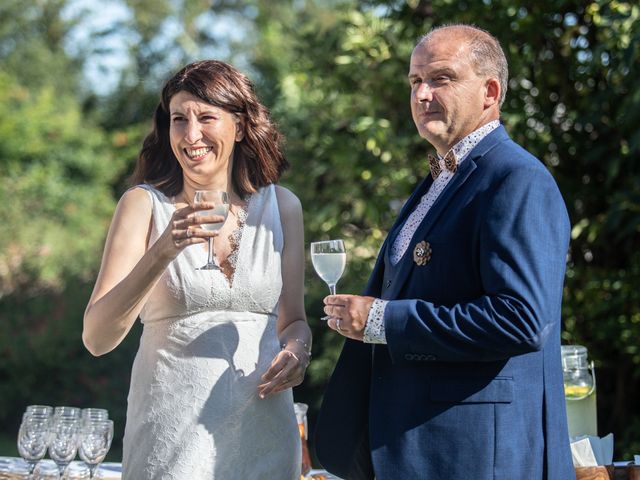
x,y
193,408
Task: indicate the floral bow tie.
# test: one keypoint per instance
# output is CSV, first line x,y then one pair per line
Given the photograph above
x,y
450,163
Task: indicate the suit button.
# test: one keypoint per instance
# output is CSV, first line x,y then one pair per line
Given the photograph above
x,y
409,356
430,358
388,283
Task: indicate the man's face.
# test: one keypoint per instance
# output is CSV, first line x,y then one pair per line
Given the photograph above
x,y
447,97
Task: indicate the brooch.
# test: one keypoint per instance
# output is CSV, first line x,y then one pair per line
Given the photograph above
x,y
422,253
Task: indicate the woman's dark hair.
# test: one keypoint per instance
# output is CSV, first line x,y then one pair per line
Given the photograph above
x,y
258,159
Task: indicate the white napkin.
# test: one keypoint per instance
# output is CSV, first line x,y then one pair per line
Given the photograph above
x,y
591,451
582,453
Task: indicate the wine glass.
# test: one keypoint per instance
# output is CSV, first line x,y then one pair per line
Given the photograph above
x,y
94,443
46,470
220,200
33,437
93,414
67,412
329,259
42,410
63,440
77,471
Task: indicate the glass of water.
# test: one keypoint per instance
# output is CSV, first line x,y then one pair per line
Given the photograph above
x,y
329,259
220,201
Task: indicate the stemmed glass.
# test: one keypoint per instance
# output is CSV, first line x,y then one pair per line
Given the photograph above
x,y
220,200
67,412
329,259
33,437
94,443
63,440
40,410
93,414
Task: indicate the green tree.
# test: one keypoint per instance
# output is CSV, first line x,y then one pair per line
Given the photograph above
x,y
336,75
57,171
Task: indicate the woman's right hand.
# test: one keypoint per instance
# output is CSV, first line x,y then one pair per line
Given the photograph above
x,y
184,228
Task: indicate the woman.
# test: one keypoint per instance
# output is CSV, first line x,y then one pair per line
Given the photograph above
x,y
210,393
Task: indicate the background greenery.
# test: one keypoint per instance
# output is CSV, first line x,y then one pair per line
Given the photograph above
x,y
78,84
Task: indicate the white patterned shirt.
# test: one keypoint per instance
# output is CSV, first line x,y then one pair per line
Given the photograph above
x,y
374,331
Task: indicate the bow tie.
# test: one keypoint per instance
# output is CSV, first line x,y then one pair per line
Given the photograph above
x,y
450,163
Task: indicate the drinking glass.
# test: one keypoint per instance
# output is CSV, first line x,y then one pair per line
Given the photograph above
x,y
77,471
33,437
46,470
39,410
16,469
220,200
329,259
67,412
93,414
94,443
63,440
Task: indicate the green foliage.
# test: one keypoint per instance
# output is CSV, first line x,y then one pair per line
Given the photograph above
x,y
337,80
334,75
56,173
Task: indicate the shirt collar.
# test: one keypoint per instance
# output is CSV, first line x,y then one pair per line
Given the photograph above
x,y
464,146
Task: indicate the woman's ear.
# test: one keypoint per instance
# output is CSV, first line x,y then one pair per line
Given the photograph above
x,y
239,129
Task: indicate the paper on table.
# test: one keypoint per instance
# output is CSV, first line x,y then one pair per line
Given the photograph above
x,y
582,453
604,452
591,451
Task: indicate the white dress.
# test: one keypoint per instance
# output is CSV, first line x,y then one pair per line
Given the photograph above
x,y
193,408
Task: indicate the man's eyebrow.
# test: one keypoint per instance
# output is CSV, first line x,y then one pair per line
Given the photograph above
x,y
432,73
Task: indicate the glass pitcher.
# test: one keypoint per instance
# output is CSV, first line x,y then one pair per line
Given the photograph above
x,y
301,416
579,391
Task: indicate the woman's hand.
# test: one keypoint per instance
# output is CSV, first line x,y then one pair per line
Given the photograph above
x,y
286,371
184,228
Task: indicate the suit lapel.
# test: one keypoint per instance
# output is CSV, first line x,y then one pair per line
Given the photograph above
x,y
409,207
407,264
467,167
374,285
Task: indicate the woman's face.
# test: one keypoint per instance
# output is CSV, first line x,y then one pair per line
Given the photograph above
x,y
202,138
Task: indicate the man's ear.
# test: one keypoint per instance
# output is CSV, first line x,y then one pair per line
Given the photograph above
x,y
491,92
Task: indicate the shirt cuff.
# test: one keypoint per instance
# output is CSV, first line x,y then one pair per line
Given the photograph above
x,y
374,329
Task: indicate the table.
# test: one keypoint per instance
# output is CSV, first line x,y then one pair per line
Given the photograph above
x,y
108,470
618,471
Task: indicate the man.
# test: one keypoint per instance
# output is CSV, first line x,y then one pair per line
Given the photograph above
x,y
451,368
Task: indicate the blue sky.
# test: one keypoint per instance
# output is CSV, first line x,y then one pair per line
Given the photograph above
x,y
109,54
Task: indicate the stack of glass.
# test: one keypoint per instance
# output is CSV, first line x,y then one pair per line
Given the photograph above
x,y
64,432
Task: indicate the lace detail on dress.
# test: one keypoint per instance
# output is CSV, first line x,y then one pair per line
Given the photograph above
x,y
193,410
228,265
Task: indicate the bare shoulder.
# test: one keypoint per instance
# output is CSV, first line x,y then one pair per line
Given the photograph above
x,y
133,213
135,200
288,202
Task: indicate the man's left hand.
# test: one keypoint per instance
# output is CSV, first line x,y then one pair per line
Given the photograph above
x,y
348,314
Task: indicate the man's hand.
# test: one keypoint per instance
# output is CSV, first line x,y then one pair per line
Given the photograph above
x,y
348,314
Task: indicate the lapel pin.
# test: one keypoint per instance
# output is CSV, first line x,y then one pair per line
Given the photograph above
x,y
422,253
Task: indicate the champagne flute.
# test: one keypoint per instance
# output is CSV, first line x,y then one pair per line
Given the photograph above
x,y
95,441
329,259
220,200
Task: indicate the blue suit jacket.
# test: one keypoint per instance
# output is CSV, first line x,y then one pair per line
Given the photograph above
x,y
469,384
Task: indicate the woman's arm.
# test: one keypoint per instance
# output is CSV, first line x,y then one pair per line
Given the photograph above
x,y
129,270
287,369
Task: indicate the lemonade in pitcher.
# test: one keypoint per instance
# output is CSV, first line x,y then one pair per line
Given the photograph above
x,y
579,391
